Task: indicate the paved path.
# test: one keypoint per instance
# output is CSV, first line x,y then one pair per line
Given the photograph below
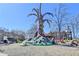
x,y
55,50
2,54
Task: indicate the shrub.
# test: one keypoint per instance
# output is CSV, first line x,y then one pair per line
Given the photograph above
x,y
19,40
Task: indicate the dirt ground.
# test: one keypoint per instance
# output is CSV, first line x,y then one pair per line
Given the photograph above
x,y
55,50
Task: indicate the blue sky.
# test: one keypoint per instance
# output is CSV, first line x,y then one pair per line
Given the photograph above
x,y
14,16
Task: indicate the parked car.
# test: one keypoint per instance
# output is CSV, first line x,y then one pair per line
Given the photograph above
x,y
11,40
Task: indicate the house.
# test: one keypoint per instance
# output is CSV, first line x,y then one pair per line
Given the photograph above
x,y
12,36
60,35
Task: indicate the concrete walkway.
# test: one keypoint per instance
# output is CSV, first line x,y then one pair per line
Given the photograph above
x,y
2,54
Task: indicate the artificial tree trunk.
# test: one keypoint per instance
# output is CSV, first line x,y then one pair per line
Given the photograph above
x,y
41,25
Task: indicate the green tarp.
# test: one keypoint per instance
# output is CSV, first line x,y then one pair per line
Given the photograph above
x,y
37,41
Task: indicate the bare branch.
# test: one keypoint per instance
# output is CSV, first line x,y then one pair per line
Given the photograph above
x,y
32,14
47,13
48,21
36,10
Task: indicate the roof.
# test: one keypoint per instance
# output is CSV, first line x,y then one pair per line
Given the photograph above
x,y
53,33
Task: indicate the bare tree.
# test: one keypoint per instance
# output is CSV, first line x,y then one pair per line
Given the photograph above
x,y
74,25
60,15
32,30
18,34
73,28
